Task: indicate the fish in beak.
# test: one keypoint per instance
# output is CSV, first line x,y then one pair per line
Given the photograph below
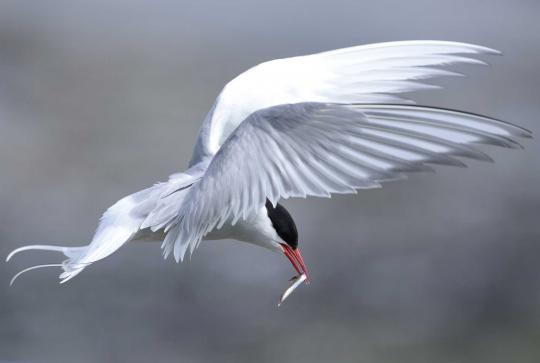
x,y
295,257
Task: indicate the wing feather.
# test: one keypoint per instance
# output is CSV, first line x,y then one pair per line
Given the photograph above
x,y
318,149
375,73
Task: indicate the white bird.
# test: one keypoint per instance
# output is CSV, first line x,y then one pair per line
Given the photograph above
x,y
314,125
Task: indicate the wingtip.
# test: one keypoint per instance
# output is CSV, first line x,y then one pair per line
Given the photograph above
x,y
482,49
490,51
524,133
473,47
480,156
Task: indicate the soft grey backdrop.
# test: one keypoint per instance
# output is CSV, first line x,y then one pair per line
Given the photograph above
x,y
99,99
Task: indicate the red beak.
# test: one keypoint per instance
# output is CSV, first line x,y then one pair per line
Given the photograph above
x,y
296,259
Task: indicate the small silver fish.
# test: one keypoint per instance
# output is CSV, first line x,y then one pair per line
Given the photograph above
x,y
295,282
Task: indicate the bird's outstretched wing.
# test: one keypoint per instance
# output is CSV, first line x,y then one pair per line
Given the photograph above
x,y
373,73
316,149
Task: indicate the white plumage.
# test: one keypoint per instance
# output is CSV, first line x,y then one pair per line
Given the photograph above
x,y
332,122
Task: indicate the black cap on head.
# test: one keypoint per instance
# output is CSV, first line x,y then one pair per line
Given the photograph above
x,y
283,224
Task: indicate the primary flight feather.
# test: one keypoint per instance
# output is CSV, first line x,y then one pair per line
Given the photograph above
x,y
314,125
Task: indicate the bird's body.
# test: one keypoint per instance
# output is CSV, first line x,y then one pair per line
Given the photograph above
x,y
257,229
331,122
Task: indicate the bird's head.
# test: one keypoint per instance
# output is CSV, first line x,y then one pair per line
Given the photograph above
x,y
287,232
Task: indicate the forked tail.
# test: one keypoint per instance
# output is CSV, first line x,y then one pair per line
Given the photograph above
x,y
70,266
135,217
119,224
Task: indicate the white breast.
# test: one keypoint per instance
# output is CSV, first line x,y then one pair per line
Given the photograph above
x,y
256,229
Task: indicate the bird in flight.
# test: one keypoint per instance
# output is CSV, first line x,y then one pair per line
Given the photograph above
x,y
314,125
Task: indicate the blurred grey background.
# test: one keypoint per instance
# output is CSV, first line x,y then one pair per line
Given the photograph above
x,y
99,99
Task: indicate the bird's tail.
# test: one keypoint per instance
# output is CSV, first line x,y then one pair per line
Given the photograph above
x,y
118,225
71,267
139,216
